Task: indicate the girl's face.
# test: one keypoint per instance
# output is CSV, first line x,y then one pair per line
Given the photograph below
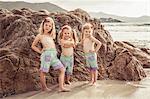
x,y
66,34
47,26
87,32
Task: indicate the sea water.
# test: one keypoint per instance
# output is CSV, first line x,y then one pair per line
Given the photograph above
x,y
135,33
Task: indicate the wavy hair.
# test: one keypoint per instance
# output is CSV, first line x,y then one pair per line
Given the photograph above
x,y
85,26
73,34
52,31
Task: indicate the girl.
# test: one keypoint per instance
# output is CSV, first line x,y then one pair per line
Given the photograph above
x,y
67,39
88,41
48,52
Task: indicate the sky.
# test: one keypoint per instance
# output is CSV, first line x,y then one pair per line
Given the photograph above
x,y
130,8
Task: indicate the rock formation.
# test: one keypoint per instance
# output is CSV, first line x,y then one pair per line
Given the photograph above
x,y
19,64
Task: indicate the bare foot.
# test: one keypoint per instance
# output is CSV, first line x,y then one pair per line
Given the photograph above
x,y
94,83
46,89
68,82
90,83
64,90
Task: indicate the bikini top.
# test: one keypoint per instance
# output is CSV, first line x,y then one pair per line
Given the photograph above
x,y
47,41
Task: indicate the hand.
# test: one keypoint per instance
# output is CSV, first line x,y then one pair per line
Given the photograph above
x,y
67,45
42,50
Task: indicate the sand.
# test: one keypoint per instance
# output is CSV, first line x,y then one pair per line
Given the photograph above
x,y
105,89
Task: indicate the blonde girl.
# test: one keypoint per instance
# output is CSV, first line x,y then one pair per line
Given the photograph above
x,y
48,53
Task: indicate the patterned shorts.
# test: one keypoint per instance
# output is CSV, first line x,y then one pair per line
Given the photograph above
x,y
68,62
49,58
91,61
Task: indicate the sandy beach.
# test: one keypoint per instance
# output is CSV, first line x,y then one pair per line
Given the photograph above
x,y
105,89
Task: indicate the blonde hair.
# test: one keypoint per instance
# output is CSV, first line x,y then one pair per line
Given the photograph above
x,y
52,31
85,26
73,34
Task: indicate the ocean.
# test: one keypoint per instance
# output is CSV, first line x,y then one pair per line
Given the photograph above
x,y
135,33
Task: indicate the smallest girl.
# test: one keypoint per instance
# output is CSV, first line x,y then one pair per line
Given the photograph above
x,y
68,40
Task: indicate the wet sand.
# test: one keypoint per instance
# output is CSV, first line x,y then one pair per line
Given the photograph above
x,y
105,89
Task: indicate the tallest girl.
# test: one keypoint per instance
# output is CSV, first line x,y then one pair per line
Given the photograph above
x,y
48,53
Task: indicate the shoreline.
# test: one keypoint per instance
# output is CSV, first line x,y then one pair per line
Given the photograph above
x,y
105,89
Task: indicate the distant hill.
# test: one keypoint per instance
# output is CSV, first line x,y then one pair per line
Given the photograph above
x,y
121,18
35,6
109,20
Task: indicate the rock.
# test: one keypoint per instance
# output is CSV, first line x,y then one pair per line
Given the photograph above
x,y
44,11
24,12
142,55
126,67
146,50
81,14
19,64
4,12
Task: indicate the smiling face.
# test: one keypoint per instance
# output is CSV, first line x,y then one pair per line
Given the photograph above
x,y
66,34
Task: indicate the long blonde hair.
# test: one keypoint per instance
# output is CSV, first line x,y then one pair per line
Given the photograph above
x,y
73,34
85,26
52,31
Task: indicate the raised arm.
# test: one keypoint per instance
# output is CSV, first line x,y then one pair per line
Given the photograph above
x,y
35,42
98,43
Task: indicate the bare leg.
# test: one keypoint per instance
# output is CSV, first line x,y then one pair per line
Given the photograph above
x,y
95,77
68,79
61,80
43,81
92,77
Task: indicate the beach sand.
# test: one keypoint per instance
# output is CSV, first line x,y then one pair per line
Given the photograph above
x,y
105,89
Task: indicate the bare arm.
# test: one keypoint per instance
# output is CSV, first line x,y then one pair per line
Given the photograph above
x,y
81,41
67,44
54,35
98,43
35,42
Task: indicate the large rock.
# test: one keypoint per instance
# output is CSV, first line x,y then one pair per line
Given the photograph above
x,y
19,64
125,67
143,54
